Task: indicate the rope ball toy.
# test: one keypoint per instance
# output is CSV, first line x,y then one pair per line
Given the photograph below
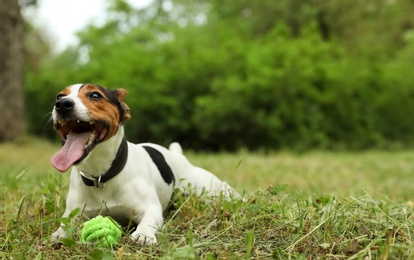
x,y
103,231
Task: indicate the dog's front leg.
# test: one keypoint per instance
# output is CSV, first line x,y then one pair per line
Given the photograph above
x,y
60,232
149,223
72,202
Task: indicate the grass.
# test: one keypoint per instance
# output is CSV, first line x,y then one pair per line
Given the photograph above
x,y
298,206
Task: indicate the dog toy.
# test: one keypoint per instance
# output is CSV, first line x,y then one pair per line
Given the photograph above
x,y
101,230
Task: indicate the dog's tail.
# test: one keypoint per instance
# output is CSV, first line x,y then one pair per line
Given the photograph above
x,y
176,148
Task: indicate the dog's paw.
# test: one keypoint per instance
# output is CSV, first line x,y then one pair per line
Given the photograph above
x,y
143,239
58,234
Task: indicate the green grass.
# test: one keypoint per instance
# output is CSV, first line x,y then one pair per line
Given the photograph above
x,y
299,206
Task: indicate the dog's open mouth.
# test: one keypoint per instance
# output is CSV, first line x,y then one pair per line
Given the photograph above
x,y
79,138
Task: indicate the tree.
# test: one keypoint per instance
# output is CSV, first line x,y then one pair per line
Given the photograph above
x,y
11,70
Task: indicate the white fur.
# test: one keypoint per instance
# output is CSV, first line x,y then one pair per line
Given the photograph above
x,y
175,147
138,192
80,110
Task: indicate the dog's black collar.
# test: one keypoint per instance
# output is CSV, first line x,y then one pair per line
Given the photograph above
x,y
116,167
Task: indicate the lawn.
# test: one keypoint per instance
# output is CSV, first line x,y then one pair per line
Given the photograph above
x,y
338,205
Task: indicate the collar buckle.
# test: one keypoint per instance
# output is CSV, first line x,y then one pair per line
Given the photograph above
x,y
97,183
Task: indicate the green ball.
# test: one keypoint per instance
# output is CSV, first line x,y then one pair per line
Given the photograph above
x,y
103,231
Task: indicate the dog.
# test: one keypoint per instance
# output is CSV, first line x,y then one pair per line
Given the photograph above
x,y
114,177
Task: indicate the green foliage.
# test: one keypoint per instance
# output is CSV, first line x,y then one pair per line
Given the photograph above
x,y
256,74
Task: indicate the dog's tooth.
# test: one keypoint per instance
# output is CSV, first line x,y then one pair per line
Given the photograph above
x,y
91,138
78,121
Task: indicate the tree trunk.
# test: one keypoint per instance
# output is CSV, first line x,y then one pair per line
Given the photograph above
x,y
11,71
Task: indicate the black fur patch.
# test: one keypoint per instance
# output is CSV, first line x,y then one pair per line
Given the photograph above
x,y
161,164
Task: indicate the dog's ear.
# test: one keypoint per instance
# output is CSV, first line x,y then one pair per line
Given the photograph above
x,y
120,94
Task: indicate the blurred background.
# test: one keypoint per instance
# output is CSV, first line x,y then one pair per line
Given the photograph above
x,y
220,75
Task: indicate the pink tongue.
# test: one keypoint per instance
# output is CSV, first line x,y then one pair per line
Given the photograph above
x,y
71,151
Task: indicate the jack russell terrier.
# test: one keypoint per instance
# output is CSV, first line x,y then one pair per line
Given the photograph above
x,y
113,177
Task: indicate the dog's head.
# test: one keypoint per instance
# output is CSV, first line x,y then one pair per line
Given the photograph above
x,y
85,115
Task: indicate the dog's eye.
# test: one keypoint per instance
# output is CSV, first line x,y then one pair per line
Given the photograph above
x,y
95,95
60,96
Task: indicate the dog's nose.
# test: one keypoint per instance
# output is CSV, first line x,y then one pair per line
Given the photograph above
x,y
64,105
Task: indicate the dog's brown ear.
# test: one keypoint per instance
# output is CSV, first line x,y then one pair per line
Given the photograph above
x,y
120,94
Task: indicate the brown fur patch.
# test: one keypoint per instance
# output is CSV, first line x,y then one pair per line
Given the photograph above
x,y
120,94
100,109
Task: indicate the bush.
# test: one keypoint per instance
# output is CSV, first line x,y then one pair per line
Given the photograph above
x,y
222,85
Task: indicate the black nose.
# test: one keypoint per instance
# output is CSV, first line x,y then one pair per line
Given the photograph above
x,y
64,105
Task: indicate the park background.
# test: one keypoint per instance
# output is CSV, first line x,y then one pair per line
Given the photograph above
x,y
228,75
